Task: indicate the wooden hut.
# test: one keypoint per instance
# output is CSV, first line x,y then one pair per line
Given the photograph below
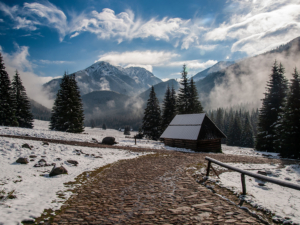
x,y
193,131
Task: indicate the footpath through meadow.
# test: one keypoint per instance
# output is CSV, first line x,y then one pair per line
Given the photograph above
x,y
152,189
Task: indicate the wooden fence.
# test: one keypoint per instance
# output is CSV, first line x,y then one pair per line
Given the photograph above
x,y
244,172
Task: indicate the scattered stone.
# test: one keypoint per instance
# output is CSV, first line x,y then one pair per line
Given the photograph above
x,y
30,221
26,146
32,156
181,210
74,162
57,171
42,163
31,160
287,178
27,135
262,172
94,140
109,141
202,216
98,156
45,143
22,160
58,159
261,184
202,205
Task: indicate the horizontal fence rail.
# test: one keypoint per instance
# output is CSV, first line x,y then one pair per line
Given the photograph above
x,y
244,172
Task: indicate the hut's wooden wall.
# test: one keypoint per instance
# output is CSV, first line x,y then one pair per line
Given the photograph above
x,y
211,145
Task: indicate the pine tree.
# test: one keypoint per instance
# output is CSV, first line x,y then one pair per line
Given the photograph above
x,y
169,108
194,105
288,129
67,112
219,119
22,105
127,130
235,131
152,118
7,100
247,133
272,107
184,93
104,126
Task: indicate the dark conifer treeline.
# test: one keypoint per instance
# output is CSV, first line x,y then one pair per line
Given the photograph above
x,y
14,104
187,102
279,118
239,125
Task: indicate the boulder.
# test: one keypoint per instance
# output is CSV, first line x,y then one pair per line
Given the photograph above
x,y
26,146
94,140
22,160
109,141
57,171
74,162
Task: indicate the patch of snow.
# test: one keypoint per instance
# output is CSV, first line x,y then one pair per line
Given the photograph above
x,y
283,201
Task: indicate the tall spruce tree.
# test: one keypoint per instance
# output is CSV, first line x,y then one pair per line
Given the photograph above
x,y
247,133
235,131
288,128
152,117
173,105
67,112
272,107
194,105
169,108
184,93
166,117
22,105
7,100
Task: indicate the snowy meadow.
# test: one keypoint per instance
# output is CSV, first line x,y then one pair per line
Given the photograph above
x,y
35,191
28,190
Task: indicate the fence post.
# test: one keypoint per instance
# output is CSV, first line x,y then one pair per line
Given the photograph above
x,y
135,140
243,183
208,168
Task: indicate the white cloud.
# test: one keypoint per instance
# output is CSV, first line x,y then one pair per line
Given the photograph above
x,y
32,15
44,61
194,64
146,59
32,82
251,26
258,26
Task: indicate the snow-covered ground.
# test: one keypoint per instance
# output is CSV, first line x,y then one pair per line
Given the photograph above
x,y
35,190
283,201
32,186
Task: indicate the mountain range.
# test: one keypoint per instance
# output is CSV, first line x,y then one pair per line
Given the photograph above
x,y
119,95
104,76
218,66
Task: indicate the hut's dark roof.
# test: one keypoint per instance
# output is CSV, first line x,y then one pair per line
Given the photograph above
x,y
188,126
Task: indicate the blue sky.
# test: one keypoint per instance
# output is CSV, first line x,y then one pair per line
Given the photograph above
x,y
42,39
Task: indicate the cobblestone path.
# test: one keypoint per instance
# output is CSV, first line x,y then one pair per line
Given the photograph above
x,y
153,189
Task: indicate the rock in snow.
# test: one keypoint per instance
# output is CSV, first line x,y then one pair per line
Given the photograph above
x,y
108,141
22,160
57,171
